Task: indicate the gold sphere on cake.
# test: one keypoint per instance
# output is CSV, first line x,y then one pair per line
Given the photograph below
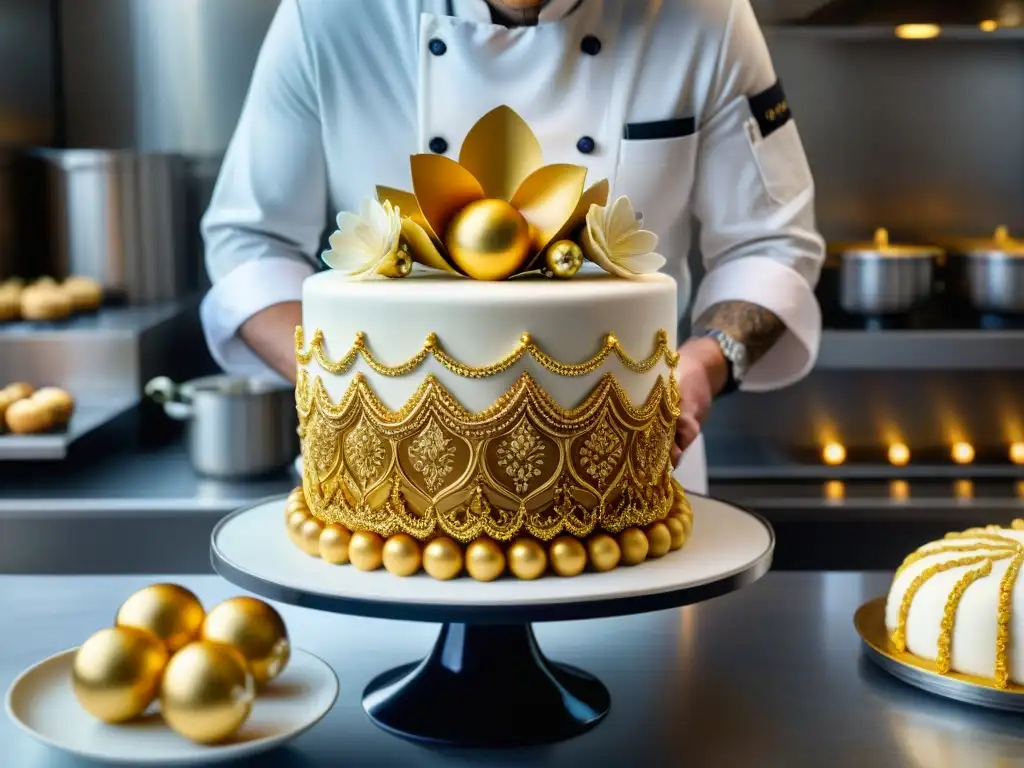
x,y
676,531
442,559
604,553
334,542
255,630
293,523
169,611
563,259
207,692
568,556
634,546
659,540
527,559
309,536
295,504
687,521
488,240
401,555
366,550
116,673
484,560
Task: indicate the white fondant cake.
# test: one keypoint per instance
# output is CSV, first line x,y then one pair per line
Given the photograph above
x,y
958,602
479,323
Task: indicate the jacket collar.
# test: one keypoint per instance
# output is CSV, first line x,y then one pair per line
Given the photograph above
x,y
478,10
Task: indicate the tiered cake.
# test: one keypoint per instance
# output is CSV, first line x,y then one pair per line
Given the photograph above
x,y
957,602
456,420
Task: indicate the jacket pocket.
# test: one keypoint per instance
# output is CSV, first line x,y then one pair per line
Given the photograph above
x,y
780,161
657,176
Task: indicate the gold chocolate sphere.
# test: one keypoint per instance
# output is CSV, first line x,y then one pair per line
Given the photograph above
x,y
659,540
634,546
295,505
527,559
294,523
442,559
604,552
334,541
563,259
568,556
677,531
309,536
484,560
687,521
488,240
116,673
169,611
366,550
207,692
255,630
402,555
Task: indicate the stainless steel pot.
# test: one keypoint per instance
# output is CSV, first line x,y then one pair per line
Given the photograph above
x,y
878,278
988,274
236,427
119,218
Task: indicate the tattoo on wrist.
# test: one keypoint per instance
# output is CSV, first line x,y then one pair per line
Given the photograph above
x,y
755,327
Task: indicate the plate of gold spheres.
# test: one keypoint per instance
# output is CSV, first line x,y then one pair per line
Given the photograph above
x,y
170,683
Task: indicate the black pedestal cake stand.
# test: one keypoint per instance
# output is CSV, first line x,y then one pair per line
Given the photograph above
x,y
486,682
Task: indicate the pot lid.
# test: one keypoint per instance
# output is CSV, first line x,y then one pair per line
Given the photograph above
x,y
881,246
1001,242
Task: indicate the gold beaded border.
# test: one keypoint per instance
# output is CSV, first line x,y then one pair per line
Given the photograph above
x,y
989,546
432,347
484,559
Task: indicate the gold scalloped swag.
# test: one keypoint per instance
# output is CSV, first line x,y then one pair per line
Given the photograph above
x,y
524,465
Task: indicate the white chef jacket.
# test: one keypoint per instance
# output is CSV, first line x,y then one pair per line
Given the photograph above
x,y
673,101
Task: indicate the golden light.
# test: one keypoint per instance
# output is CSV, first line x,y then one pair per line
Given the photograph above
x,y
833,454
962,453
963,490
1017,453
899,455
899,490
1020,490
918,31
835,490
989,25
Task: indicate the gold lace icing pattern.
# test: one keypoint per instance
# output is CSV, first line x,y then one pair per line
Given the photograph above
x,y
524,465
988,547
526,347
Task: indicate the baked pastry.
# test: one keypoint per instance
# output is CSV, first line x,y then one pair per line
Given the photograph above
x,y
957,602
10,303
58,402
86,294
11,394
457,421
45,302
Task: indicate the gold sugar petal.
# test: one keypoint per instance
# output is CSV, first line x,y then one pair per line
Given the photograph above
x,y
443,188
422,248
596,194
523,465
547,199
500,151
405,202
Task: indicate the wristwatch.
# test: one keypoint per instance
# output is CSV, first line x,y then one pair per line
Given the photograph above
x,y
735,354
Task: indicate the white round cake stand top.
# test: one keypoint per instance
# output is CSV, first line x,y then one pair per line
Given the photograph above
x,y
728,549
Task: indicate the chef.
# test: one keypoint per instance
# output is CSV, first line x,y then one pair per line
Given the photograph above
x,y
674,101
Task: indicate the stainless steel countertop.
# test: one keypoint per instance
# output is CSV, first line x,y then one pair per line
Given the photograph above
x,y
769,676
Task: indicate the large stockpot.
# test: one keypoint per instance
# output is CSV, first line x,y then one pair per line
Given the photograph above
x,y
236,428
119,218
879,278
987,274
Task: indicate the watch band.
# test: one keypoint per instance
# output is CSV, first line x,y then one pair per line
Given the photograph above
x,y
735,354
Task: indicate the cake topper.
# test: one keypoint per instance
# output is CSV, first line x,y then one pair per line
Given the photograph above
x,y
497,213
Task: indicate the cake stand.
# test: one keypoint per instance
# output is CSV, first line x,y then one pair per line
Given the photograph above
x,y
486,682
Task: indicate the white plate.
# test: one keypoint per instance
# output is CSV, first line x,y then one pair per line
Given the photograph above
x,y
42,703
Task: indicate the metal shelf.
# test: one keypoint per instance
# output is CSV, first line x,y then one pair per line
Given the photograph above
x,y
883,33
940,350
54,446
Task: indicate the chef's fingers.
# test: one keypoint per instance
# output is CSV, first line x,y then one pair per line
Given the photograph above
x,y
687,430
676,454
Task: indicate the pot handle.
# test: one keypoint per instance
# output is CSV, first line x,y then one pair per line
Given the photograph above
x,y
165,392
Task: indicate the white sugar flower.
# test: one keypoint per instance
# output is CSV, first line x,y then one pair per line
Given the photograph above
x,y
615,242
367,245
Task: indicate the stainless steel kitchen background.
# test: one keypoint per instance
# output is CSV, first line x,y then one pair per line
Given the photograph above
x,y
922,138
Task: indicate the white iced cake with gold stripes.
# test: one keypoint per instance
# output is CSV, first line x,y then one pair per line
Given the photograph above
x,y
957,602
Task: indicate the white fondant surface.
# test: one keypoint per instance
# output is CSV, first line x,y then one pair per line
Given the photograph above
x,y
725,541
42,703
973,649
480,323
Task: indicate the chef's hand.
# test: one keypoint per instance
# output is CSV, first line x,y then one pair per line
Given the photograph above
x,y
700,375
270,333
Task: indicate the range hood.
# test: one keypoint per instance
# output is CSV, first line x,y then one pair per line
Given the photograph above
x,y
985,13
